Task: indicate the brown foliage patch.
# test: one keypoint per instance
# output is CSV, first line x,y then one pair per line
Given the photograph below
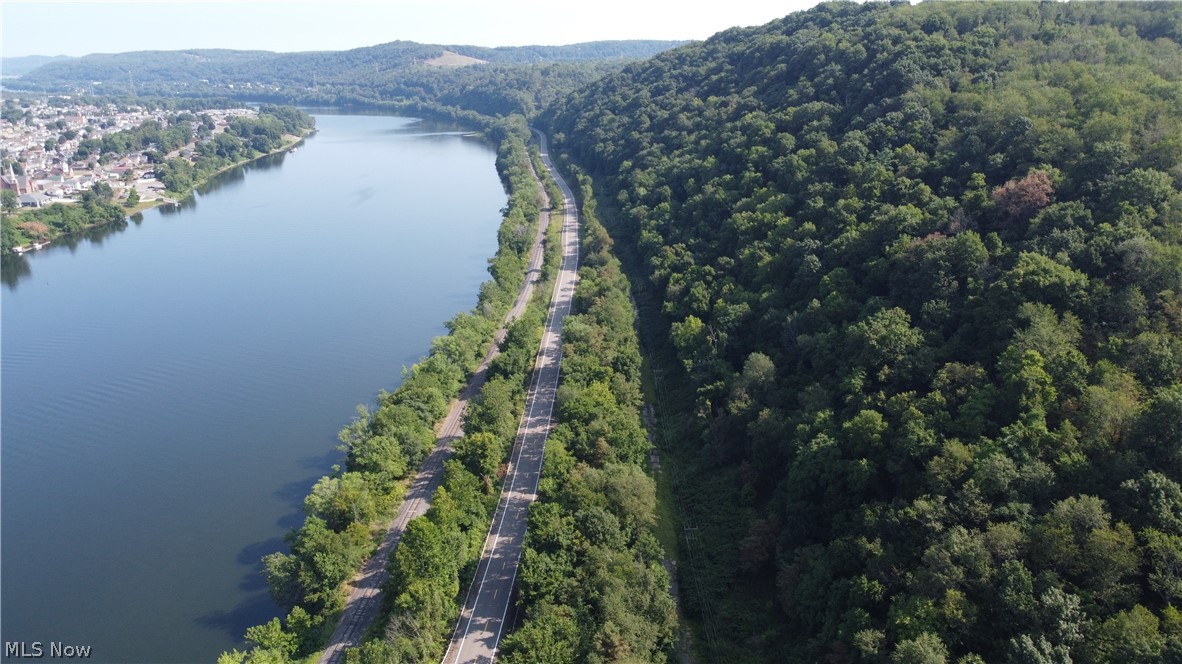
x,y
1020,199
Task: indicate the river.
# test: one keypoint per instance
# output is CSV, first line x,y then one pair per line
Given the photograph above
x,y
172,389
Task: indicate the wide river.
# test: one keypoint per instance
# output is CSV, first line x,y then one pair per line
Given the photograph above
x,y
171,391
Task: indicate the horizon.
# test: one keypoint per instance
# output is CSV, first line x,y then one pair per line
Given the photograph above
x,y
90,27
260,50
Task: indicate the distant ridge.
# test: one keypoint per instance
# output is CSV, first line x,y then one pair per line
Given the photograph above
x,y
20,65
193,67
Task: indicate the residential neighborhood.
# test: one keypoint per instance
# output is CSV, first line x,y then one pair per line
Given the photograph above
x,y
42,162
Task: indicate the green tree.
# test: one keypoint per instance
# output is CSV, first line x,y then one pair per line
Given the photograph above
x,y
1078,537
1129,636
423,553
481,453
551,636
283,577
927,648
343,500
102,192
497,409
271,636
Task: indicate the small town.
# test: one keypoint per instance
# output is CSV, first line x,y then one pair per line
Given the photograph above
x,y
43,164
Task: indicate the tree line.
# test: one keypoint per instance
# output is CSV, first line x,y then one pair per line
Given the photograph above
x,y
244,138
436,559
383,446
592,585
96,207
511,80
193,67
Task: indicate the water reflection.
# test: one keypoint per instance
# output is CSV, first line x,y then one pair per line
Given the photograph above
x,y
256,605
14,268
426,128
208,366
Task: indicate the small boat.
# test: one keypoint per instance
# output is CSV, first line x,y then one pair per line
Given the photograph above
x,y
40,245
20,250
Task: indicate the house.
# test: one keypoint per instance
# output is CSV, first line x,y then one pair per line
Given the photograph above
x,y
33,200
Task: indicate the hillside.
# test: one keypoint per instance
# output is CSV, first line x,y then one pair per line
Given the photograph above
x,y
921,267
518,79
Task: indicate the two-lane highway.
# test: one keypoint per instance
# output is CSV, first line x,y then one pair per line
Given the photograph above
x,y
482,620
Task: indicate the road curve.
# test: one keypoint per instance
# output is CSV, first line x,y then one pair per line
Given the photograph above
x,y
482,620
361,607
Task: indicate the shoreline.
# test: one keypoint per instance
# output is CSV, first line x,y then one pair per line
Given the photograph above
x,y
292,141
157,202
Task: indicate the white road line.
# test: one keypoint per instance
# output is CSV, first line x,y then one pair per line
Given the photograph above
x,y
560,306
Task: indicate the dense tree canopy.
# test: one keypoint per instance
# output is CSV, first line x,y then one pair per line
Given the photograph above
x,y
922,267
591,581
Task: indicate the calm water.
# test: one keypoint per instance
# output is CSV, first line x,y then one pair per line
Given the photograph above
x,y
172,390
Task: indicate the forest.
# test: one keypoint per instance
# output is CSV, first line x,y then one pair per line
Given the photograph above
x,y
909,280
230,66
511,79
918,273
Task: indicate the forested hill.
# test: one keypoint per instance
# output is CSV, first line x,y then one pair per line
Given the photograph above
x,y
509,79
923,267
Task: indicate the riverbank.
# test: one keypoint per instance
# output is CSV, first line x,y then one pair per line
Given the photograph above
x,y
217,350
385,446
290,141
30,229
108,212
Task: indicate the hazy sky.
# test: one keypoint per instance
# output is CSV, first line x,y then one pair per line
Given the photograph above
x,y
79,27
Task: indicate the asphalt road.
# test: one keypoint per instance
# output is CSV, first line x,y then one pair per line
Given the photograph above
x,y
361,607
482,620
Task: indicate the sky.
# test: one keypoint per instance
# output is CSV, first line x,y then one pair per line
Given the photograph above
x,y
79,27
